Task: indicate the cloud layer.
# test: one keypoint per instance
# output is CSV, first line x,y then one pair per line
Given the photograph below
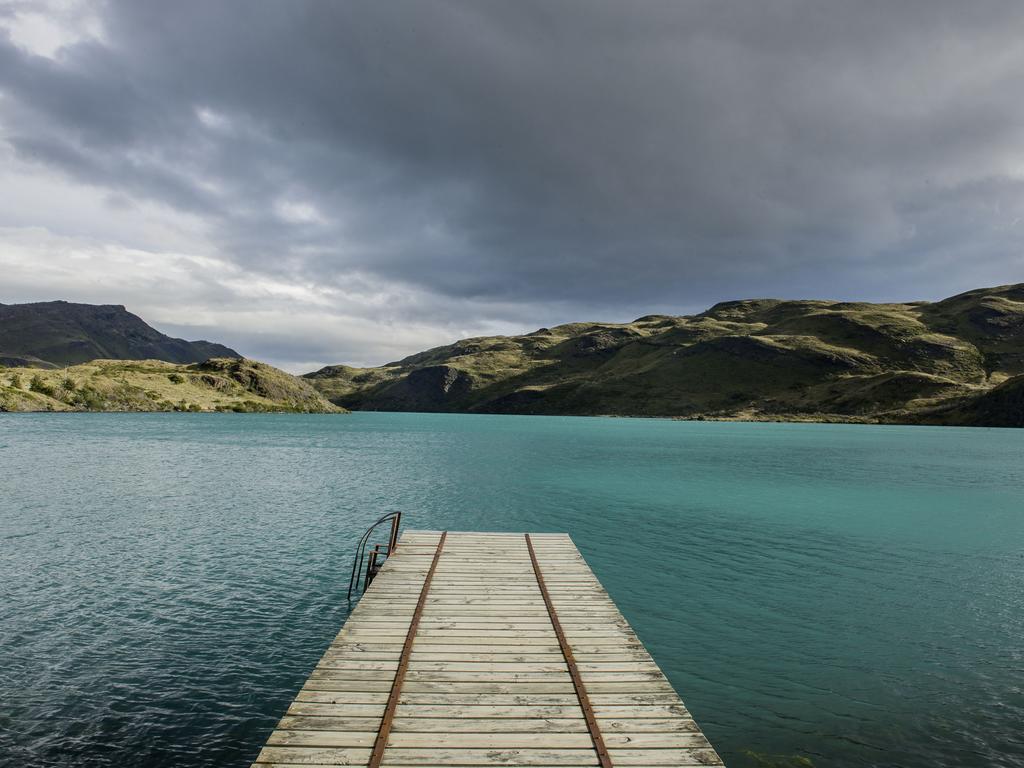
x,y
315,182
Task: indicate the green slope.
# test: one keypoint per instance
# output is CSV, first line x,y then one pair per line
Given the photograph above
x,y
755,359
219,384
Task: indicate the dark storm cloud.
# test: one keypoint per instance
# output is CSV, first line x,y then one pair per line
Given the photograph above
x,y
615,157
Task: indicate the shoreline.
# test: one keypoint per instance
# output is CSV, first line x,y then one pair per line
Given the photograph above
x,y
710,419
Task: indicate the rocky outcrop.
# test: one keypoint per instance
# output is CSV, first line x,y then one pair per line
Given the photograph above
x,y
433,388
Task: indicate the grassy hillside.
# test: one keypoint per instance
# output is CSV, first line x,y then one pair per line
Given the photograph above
x,y
221,384
58,333
756,359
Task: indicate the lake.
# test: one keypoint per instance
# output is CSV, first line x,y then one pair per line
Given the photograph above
x,y
849,594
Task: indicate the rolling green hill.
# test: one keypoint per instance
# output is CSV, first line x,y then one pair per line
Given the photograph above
x,y
57,333
947,362
219,384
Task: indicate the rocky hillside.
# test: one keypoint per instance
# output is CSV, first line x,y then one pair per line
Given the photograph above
x,y
220,384
58,333
949,362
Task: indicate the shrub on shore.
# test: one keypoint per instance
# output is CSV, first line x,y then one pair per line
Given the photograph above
x,y
40,385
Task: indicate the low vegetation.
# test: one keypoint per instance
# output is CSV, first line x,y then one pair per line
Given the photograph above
x,y
947,362
219,384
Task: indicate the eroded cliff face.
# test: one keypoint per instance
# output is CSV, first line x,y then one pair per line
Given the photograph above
x,y
434,388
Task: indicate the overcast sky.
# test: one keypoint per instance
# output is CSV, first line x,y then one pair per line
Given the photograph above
x,y
328,182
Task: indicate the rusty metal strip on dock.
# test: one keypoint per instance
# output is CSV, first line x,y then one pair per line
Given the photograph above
x,y
381,742
581,691
505,630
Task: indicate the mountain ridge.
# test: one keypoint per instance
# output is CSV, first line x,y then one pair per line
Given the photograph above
x,y
59,333
912,362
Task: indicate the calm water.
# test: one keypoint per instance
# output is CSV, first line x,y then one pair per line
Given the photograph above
x,y
850,594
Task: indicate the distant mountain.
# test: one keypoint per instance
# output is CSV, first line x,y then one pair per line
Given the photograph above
x,y
59,333
956,361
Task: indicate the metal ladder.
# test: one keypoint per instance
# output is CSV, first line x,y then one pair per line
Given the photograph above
x,y
374,559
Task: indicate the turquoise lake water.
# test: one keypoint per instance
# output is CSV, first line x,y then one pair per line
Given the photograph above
x,y
850,594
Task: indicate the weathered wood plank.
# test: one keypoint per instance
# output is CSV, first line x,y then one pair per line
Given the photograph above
x,y
327,704
403,739
487,683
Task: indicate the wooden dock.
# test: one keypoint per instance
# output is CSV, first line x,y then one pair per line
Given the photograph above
x,y
486,649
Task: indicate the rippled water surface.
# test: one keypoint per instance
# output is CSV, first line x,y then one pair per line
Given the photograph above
x,y
850,594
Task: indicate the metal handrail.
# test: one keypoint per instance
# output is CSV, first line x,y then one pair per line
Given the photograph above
x,y
372,566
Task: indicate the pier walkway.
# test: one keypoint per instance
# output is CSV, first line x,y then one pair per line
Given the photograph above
x,y
486,649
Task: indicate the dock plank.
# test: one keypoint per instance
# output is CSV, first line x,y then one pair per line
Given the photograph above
x,y
486,681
